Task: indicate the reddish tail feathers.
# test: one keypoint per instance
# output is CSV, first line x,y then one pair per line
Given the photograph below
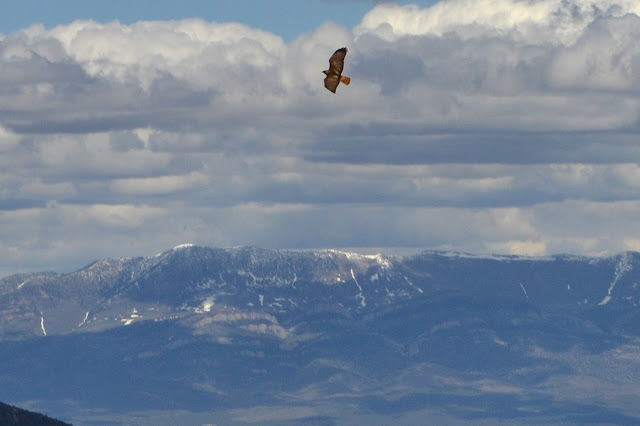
x,y
344,79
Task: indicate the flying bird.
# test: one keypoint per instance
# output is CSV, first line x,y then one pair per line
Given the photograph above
x,y
334,73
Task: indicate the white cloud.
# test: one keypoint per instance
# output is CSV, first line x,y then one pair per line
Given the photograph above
x,y
506,126
194,50
523,248
158,185
118,217
605,57
8,140
540,21
37,188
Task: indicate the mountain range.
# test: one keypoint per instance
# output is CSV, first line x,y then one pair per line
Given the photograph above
x,y
198,335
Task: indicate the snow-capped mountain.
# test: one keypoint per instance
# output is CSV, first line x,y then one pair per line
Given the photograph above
x,y
190,280
226,331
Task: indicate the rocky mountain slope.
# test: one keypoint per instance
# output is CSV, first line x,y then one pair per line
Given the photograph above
x,y
249,334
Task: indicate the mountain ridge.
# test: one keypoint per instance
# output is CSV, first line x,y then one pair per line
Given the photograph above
x,y
197,328
188,277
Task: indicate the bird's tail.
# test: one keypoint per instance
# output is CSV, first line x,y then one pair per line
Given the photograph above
x,y
344,79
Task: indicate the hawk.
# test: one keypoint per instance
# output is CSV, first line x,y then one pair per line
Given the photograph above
x,y
334,73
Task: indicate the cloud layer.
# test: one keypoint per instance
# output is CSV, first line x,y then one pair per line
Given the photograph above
x,y
508,128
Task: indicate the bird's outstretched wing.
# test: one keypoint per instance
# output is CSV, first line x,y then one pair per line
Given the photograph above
x,y
331,82
336,62
334,73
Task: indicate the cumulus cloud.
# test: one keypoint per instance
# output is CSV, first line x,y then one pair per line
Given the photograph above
x,y
8,140
540,21
471,125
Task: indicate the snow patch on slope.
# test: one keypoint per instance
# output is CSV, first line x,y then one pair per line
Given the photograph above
x,y
412,285
623,266
206,305
183,246
86,316
363,301
524,291
356,257
44,331
133,316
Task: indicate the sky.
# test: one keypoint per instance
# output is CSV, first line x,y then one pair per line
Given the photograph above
x,y
484,126
286,18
